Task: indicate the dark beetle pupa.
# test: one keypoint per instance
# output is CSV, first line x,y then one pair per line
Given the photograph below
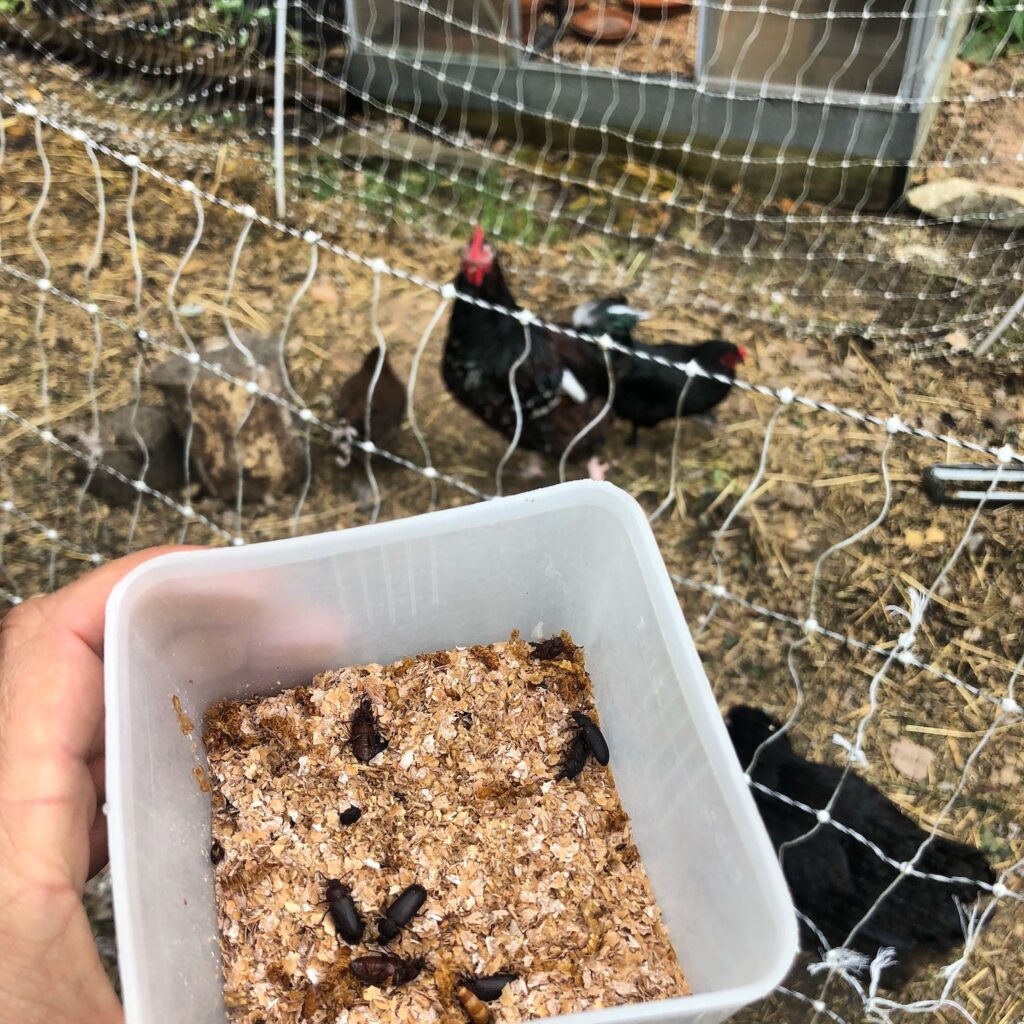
x,y
381,968
367,742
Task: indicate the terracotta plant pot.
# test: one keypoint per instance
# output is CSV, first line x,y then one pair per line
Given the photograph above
x,y
603,24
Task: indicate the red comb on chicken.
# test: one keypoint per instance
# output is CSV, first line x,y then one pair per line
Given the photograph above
x,y
479,258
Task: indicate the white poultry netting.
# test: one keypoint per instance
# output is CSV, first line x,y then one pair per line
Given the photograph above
x,y
157,254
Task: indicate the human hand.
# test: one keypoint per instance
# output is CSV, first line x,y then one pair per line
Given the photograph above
x,y
53,834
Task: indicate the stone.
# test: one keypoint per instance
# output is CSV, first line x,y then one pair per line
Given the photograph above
x,y
976,203
233,428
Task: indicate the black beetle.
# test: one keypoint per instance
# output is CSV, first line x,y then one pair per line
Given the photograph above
x,y
575,759
342,908
401,912
595,738
350,815
488,987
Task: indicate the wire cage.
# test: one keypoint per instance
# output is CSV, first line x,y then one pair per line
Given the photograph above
x,y
851,84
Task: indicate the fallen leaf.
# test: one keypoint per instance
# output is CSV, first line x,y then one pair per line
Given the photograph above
x,y
17,127
910,759
323,291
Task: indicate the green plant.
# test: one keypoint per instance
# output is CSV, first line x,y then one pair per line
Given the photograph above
x,y
998,31
15,6
234,19
410,192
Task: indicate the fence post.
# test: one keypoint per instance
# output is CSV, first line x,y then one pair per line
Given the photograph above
x,y
279,60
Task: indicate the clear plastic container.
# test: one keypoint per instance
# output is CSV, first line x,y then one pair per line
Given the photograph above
x,y
254,620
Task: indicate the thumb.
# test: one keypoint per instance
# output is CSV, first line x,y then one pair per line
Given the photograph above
x,y
51,725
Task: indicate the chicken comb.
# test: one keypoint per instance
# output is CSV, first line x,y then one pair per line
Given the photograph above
x,y
476,243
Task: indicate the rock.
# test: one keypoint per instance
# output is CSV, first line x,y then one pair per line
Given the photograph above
x,y
974,202
127,436
232,427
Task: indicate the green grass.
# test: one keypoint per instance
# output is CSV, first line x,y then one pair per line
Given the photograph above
x,y
998,31
426,195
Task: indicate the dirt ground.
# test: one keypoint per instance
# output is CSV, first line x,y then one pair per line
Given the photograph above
x,y
822,476
991,125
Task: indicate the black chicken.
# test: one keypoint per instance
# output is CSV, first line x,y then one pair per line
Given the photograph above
x,y
834,879
483,345
388,405
649,392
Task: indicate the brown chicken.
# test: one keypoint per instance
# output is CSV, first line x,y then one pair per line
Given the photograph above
x,y
387,408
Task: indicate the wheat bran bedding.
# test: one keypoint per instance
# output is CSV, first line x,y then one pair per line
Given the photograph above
x,y
524,873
